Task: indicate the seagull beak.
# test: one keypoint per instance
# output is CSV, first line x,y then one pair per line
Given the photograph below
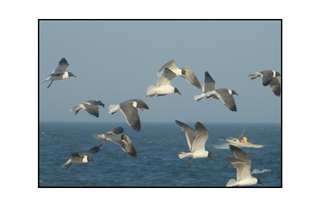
x,y
103,106
179,93
74,76
141,109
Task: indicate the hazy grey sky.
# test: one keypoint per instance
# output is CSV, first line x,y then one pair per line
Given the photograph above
x,y
115,61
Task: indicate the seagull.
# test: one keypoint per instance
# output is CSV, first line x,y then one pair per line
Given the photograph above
x,y
196,140
130,112
82,158
185,72
59,73
269,77
243,164
116,137
224,94
164,86
90,106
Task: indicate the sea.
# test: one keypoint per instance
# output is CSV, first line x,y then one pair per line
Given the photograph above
x,y
157,163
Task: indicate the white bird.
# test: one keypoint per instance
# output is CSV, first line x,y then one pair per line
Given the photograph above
x,y
116,137
224,94
185,72
59,73
82,158
164,86
91,106
243,164
196,141
130,112
269,77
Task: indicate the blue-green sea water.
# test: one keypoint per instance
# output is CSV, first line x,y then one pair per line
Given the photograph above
x,y
157,163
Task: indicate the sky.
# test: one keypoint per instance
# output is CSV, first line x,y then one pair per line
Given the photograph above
x,y
115,61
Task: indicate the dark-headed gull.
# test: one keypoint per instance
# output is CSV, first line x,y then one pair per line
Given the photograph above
x,y
59,73
164,86
243,164
82,158
269,77
196,141
224,94
91,106
185,72
116,137
130,112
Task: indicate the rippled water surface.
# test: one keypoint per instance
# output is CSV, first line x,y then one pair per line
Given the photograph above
x,y
157,163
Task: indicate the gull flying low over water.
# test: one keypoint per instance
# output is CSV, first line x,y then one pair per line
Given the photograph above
x,y
224,94
185,72
164,86
269,77
116,136
196,141
82,158
91,106
243,164
130,112
59,73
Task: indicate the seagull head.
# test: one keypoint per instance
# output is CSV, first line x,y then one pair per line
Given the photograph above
x,y
234,93
259,181
100,103
90,159
71,74
177,91
277,74
209,155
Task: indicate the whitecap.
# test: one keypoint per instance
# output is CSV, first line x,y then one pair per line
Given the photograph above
x,y
256,171
221,146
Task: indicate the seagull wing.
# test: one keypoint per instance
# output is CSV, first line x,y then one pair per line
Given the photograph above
x,y
190,77
93,150
201,137
226,98
131,114
63,64
209,83
165,77
242,162
190,133
267,76
128,146
275,86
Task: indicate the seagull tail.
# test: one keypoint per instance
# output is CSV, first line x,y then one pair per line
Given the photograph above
x,y
184,154
151,91
232,182
255,75
199,97
113,108
76,109
98,136
46,79
68,162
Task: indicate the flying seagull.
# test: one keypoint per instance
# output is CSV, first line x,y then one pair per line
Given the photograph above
x,y
116,137
59,73
82,158
164,86
269,77
224,94
185,72
130,112
243,164
91,106
196,141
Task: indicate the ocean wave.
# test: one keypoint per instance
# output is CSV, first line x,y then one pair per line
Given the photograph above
x,y
256,171
221,146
